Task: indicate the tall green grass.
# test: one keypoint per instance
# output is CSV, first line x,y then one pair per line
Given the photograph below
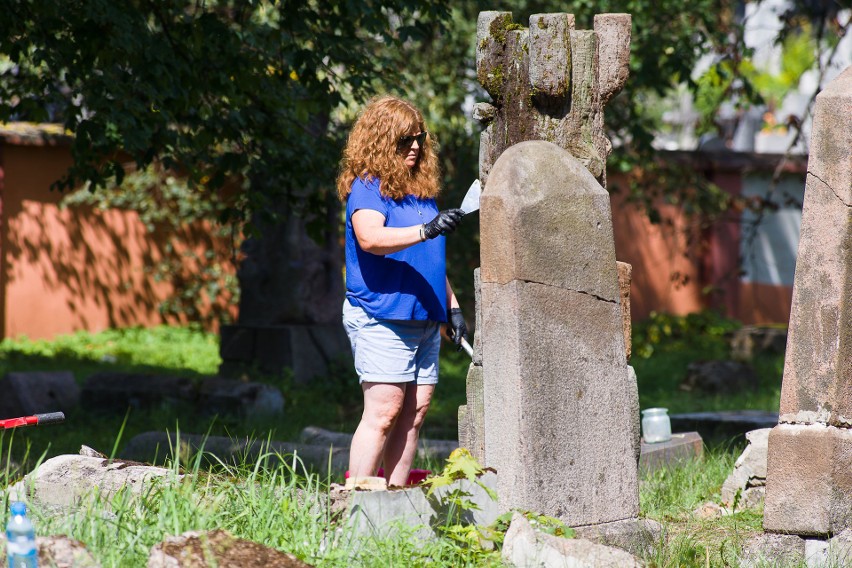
x,y
282,506
672,495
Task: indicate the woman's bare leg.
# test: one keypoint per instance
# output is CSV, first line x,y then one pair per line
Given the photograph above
x,y
401,444
382,405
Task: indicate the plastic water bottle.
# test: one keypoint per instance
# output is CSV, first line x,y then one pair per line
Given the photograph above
x,y
20,539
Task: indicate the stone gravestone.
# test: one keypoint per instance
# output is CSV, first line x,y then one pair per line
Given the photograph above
x,y
809,470
558,402
550,399
291,293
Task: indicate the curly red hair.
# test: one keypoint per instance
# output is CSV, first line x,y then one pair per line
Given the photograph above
x,y
371,151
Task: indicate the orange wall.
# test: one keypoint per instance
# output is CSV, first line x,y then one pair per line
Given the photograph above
x,y
664,279
679,270
70,269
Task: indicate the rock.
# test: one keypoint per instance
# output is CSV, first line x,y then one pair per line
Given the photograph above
x,y
773,550
637,536
225,396
683,446
524,547
154,446
751,340
426,449
90,452
749,472
381,513
839,551
57,552
214,395
64,481
196,549
28,393
118,391
719,377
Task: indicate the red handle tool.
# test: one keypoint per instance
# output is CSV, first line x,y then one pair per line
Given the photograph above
x,y
49,418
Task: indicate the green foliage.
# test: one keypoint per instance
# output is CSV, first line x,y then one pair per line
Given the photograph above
x,y
663,347
798,54
708,328
204,283
460,465
672,495
223,89
178,350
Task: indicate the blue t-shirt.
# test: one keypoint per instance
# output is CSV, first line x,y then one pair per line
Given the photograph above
x,y
406,285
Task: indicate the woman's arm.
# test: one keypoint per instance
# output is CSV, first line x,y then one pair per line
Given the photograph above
x,y
375,238
452,301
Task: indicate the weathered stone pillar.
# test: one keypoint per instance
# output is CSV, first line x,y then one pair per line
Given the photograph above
x,y
549,82
557,401
472,414
560,408
809,470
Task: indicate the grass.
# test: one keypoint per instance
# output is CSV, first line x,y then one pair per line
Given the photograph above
x,y
663,348
287,508
333,402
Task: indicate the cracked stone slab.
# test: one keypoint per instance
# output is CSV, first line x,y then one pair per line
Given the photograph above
x,y
545,219
525,547
818,365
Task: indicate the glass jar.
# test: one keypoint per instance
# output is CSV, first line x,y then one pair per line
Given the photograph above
x,y
656,426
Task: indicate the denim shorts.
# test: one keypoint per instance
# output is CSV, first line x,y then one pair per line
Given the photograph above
x,y
392,351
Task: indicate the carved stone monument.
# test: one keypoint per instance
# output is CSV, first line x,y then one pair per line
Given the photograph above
x,y
809,470
549,82
557,398
551,403
291,292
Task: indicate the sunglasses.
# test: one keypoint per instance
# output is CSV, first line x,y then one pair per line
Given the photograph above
x,y
405,142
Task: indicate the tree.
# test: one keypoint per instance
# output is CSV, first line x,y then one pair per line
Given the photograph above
x,y
669,40
227,92
221,90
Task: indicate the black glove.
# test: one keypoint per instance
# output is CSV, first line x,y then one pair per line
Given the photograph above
x,y
458,329
444,223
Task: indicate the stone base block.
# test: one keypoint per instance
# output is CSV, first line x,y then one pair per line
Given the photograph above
x,y
380,514
809,480
306,349
769,549
682,446
637,536
38,392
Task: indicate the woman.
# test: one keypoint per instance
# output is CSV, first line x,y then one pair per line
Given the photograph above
x,y
397,292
